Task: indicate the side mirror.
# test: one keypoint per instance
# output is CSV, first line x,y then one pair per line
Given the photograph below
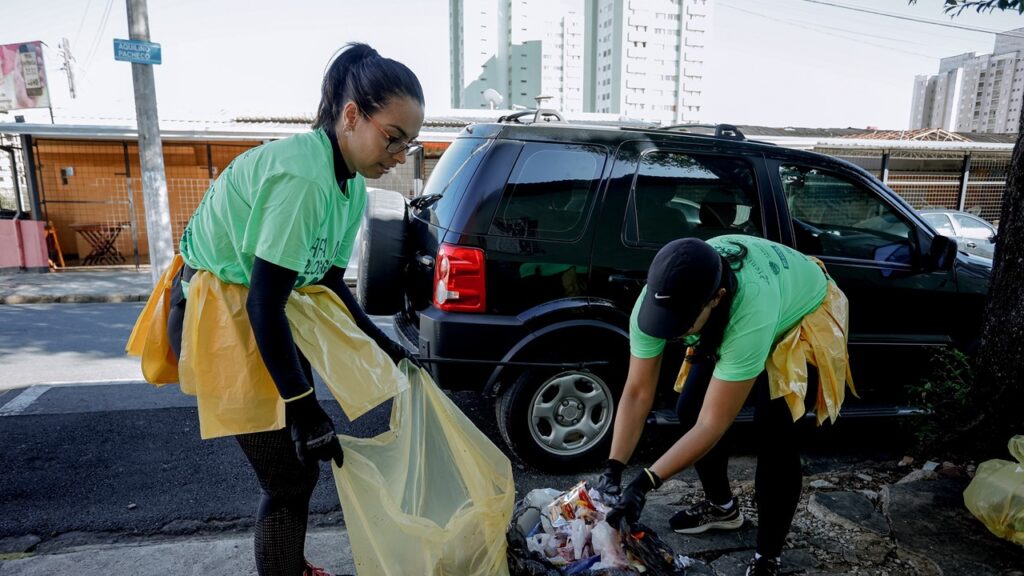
x,y
941,253
993,238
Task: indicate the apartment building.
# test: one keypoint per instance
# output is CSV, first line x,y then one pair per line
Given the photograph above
x,y
524,50
974,93
645,58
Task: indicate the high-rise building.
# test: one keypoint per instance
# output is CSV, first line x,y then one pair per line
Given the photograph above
x,y
974,93
645,58
521,49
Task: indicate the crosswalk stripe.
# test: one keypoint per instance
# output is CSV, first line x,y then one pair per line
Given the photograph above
x,y
24,400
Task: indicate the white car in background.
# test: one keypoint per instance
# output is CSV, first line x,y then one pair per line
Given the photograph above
x,y
973,234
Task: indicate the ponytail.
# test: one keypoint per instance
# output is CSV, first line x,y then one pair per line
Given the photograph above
x,y
361,75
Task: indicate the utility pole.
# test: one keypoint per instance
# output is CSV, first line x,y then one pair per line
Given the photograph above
x,y
151,154
65,54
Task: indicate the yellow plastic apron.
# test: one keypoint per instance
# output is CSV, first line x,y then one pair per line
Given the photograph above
x,y
221,365
820,339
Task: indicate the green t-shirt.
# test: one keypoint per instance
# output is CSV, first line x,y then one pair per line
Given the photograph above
x,y
281,202
776,287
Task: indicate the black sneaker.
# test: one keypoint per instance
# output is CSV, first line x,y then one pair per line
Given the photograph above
x,y
764,567
706,516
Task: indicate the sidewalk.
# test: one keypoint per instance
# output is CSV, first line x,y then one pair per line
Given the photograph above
x,y
916,527
84,285
77,285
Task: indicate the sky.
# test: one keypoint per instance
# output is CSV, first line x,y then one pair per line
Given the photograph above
x,y
777,63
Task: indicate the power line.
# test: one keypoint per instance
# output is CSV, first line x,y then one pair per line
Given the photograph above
x,y
97,38
914,18
813,28
81,24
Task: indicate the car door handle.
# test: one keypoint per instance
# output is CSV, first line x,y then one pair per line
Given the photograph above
x,y
425,260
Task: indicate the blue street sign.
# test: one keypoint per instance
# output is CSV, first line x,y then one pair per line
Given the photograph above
x,y
136,51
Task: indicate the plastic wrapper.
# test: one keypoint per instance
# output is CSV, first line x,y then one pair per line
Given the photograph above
x,y
432,495
570,505
996,495
580,541
608,544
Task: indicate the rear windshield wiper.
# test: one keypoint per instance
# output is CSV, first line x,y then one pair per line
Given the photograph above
x,y
422,202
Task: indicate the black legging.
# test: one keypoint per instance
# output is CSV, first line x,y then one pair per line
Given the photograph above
x,y
286,484
779,478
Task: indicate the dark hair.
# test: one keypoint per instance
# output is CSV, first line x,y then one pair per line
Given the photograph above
x,y
713,332
358,73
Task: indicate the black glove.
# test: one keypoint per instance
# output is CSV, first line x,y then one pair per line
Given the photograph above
x,y
312,431
397,352
633,499
609,481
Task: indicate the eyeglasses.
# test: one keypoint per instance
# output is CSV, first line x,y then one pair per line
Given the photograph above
x,y
394,145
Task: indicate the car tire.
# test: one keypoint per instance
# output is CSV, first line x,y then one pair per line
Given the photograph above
x,y
558,419
380,288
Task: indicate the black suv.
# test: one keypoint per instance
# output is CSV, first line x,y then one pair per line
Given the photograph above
x,y
516,270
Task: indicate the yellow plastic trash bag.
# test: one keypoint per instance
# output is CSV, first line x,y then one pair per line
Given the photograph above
x,y
431,496
996,495
359,374
220,364
149,338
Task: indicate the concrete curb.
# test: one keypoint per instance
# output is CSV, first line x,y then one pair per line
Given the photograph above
x,y
71,298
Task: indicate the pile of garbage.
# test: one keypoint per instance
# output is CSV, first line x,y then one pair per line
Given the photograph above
x,y
565,533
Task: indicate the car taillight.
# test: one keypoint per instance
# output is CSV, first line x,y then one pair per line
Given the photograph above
x,y
459,284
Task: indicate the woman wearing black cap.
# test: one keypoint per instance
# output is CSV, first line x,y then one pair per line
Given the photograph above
x,y
754,314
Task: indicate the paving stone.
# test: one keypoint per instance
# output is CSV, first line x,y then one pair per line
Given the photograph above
x,y
849,509
931,525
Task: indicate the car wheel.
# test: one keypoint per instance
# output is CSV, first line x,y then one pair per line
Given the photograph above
x,y
379,281
554,419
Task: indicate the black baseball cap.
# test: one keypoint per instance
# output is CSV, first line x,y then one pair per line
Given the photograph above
x,y
682,278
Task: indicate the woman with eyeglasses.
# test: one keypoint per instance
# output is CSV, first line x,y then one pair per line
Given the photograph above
x,y
754,314
283,216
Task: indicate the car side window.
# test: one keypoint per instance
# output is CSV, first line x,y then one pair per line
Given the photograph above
x,y
677,194
972,227
549,193
941,223
834,216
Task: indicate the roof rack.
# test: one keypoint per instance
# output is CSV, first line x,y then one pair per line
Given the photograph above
x,y
726,131
539,115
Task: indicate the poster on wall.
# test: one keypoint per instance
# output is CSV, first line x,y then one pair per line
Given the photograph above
x,y
23,77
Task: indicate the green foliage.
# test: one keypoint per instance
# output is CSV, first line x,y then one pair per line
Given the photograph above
x,y
956,7
947,394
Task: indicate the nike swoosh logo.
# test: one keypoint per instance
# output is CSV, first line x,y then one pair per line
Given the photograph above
x,y
662,296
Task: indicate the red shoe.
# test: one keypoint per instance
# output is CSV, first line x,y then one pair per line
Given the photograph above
x,y
311,570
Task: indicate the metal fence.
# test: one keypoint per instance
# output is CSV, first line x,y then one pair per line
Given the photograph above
x,y
12,177
956,180
92,193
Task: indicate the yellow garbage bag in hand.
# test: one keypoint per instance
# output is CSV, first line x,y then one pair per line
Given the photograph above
x,y
431,496
996,495
359,374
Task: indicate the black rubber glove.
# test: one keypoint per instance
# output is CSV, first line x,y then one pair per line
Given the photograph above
x,y
631,504
312,431
397,352
608,483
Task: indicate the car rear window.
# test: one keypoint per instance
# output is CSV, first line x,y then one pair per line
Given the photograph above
x,y
449,178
